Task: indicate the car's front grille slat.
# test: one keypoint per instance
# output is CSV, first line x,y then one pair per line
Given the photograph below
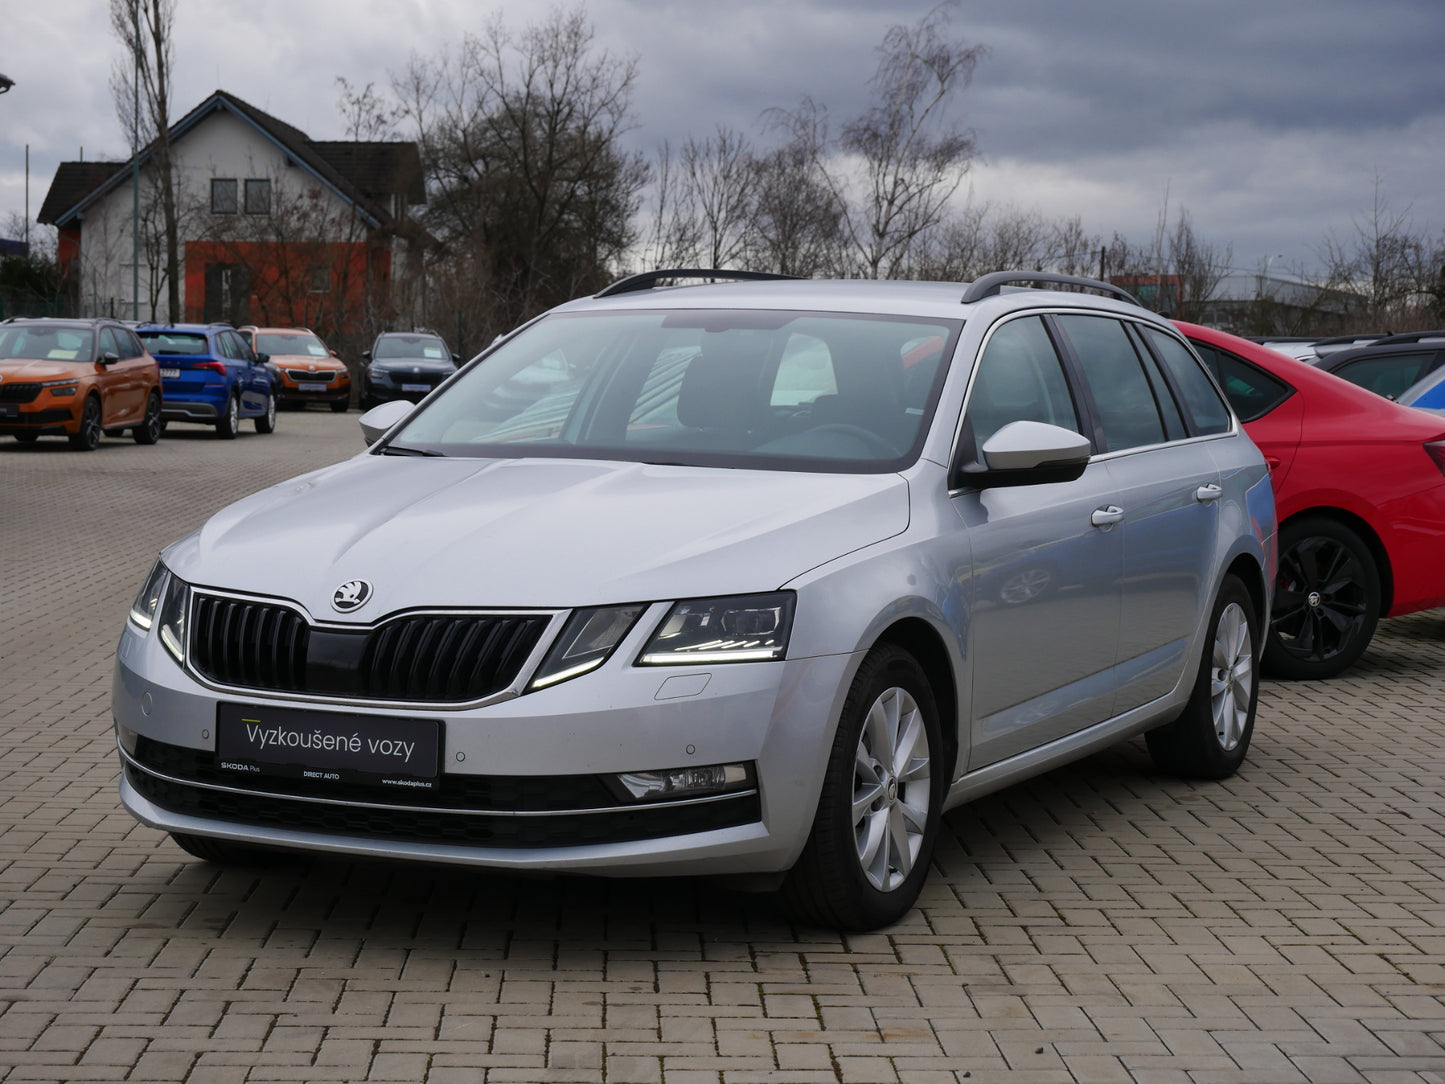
x,y
422,658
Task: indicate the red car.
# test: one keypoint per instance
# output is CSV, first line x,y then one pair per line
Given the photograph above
x,y
1359,485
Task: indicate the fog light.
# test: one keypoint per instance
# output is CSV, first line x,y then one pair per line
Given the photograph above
x,y
684,782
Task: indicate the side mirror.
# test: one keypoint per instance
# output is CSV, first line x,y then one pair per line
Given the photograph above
x,y
109,358
1027,453
365,353
456,359
377,421
262,359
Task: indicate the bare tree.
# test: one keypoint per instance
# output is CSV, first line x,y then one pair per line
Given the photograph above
x,y
144,29
898,165
1387,263
1197,266
521,141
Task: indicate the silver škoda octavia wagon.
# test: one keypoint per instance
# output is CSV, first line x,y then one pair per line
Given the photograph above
x,y
752,577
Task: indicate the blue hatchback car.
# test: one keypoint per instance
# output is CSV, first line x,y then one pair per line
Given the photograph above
x,y
210,375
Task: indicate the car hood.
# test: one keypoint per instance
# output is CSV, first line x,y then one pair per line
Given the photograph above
x,y
425,365
429,532
298,361
31,371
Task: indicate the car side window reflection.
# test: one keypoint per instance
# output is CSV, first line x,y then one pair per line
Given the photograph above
x,y
1020,378
1207,411
1128,412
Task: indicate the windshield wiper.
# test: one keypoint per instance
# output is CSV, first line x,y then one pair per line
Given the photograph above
x,y
402,449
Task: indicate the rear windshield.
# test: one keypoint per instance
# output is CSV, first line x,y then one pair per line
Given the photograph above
x,y
47,343
174,342
775,390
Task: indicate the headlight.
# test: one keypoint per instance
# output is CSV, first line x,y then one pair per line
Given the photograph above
x,y
143,609
175,604
586,641
61,387
744,628
376,372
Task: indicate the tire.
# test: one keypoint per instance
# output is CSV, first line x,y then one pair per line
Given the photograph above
x,y
1326,601
888,747
266,423
339,406
220,852
87,438
27,438
230,421
150,428
1211,736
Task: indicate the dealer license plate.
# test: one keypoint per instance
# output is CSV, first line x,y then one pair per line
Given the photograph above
x,y
170,374
311,387
416,387
328,747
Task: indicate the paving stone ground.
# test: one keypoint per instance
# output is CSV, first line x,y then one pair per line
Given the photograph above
x,y
1102,923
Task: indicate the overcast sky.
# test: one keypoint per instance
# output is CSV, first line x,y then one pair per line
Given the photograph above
x,y
1271,121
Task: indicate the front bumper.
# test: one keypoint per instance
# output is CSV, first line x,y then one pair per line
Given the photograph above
x,y
551,746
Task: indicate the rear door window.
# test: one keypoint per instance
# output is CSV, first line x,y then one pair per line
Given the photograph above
x,y
1201,399
1123,395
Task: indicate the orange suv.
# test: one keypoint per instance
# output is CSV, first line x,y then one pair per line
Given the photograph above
x,y
78,378
303,370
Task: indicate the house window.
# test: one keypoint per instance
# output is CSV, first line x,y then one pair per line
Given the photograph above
x,y
258,197
223,196
320,279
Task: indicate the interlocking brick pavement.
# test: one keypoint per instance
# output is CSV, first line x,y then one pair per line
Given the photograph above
x,y
1102,923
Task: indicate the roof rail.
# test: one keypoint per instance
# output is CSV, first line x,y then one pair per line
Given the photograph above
x,y
647,280
1408,337
989,285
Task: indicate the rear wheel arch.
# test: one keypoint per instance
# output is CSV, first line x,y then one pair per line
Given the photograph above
x,y
1248,571
1367,535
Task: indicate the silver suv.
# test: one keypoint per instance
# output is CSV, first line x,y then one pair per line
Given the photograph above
x,y
753,578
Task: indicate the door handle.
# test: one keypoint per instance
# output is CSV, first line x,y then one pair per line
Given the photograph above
x,y
1106,517
1209,492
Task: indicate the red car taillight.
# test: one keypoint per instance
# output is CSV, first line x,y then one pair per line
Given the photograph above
x,y
211,366
1435,449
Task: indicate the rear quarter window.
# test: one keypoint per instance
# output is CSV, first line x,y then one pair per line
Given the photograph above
x,y
1251,391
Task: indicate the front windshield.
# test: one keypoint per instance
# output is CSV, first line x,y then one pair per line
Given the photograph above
x,y
46,343
769,389
290,342
411,346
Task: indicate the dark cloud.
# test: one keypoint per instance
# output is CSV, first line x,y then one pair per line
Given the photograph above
x,y
1270,120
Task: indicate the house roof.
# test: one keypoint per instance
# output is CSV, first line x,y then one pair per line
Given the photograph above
x,y
73,182
359,172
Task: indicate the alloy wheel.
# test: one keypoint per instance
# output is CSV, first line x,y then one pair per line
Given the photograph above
x,y
1231,684
892,778
1320,599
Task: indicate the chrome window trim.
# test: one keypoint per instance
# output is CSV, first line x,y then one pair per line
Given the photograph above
x,y
1234,423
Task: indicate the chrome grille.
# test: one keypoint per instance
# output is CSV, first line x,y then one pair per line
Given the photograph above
x,y
420,658
307,377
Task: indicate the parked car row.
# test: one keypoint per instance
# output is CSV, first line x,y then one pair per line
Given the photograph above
x,y
85,378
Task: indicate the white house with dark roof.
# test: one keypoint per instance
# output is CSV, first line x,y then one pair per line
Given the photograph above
x,y
276,228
